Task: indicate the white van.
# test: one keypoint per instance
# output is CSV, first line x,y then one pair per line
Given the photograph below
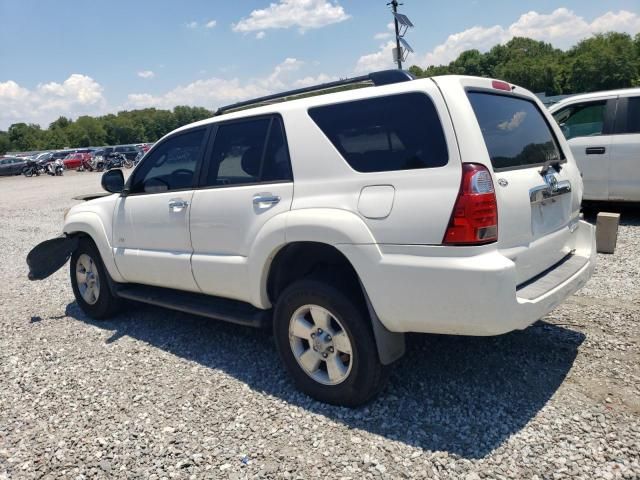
x,y
603,131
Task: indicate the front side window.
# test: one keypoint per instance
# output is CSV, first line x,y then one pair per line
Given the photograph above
x,y
396,132
171,166
581,120
248,152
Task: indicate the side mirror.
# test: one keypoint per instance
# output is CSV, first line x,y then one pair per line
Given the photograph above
x,y
113,181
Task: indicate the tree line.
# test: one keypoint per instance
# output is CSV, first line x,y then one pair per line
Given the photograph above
x,y
602,62
135,126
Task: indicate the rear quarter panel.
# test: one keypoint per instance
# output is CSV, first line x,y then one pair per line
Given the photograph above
x,y
423,199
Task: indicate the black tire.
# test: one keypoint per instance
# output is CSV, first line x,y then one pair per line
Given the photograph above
x,y
107,304
367,376
27,172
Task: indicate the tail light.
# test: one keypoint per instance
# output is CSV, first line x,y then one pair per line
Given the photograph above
x,y
474,220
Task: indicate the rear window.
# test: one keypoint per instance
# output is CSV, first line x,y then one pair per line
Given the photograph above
x,y
397,132
514,130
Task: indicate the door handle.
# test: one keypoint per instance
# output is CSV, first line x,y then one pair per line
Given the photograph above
x,y
177,205
264,200
595,150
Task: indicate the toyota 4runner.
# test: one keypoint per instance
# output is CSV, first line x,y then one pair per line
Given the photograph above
x,y
341,221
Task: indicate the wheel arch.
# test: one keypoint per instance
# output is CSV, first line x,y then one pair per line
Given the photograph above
x,y
301,259
90,225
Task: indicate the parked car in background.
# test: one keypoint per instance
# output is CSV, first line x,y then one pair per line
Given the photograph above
x,y
144,147
76,160
41,156
59,154
603,131
129,151
12,165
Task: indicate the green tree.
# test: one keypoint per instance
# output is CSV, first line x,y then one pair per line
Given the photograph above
x,y
5,142
61,123
470,62
25,137
93,132
54,139
603,62
531,64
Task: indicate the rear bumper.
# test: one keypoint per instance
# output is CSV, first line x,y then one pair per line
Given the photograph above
x,y
466,295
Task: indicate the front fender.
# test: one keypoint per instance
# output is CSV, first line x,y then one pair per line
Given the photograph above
x,y
91,224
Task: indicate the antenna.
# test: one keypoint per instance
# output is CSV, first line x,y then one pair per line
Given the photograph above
x,y
402,24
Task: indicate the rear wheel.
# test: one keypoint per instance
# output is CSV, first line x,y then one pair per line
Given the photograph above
x,y
325,341
89,280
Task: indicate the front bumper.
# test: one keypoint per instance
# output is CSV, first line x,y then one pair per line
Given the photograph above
x,y
49,256
466,295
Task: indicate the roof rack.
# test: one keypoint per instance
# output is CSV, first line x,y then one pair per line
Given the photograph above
x,y
384,77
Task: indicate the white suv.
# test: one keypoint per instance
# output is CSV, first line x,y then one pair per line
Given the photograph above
x,y
603,131
446,205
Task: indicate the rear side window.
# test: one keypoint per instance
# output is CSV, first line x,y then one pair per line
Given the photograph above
x,y
248,152
581,120
397,132
515,131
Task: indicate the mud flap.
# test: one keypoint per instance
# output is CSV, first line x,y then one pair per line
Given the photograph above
x,y
49,256
391,345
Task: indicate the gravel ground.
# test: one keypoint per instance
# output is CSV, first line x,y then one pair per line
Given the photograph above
x,y
158,394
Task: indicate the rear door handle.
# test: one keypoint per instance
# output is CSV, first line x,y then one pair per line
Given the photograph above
x,y
264,200
177,205
595,150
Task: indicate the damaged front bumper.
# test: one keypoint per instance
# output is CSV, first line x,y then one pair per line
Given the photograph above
x,y
48,257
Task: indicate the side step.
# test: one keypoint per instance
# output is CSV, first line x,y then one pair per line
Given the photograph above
x,y
232,311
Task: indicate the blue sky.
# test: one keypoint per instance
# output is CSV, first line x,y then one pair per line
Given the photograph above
x,y
73,57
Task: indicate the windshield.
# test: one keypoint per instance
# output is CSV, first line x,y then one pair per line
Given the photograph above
x,y
515,131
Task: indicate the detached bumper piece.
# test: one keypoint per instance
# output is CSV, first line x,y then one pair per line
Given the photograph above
x,y
49,256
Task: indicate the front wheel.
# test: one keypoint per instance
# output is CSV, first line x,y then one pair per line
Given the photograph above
x,y
27,172
89,280
326,343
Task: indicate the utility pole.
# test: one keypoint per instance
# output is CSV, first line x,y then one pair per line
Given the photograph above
x,y
402,24
394,8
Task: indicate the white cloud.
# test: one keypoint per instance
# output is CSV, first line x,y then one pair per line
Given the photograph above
x,y
386,35
382,36
192,25
479,38
214,92
304,14
515,122
210,24
260,35
77,95
562,27
380,60
146,74
310,80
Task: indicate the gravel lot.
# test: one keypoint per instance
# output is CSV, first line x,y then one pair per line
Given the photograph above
x,y
158,394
